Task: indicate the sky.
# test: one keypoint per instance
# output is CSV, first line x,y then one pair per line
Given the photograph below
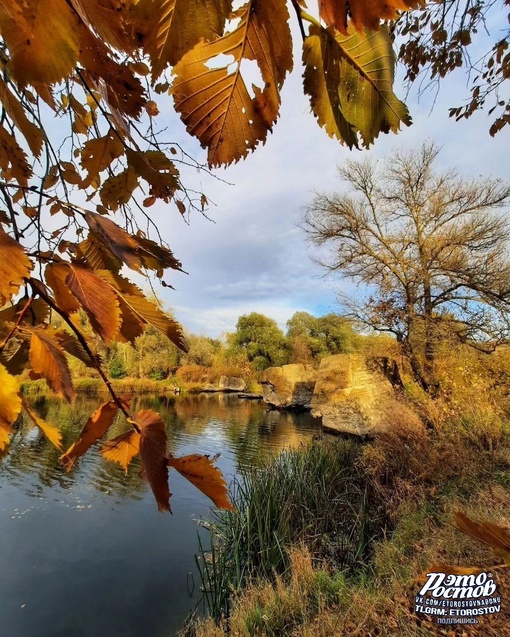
x,y
251,255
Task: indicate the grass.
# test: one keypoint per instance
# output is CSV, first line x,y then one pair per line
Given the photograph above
x,y
316,495
330,540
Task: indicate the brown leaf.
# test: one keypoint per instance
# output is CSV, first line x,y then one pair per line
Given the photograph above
x,y
118,189
364,14
97,299
14,266
14,109
495,536
56,275
122,449
10,405
95,427
48,359
51,432
202,473
153,455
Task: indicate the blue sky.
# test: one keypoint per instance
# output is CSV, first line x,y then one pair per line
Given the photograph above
x,y
253,257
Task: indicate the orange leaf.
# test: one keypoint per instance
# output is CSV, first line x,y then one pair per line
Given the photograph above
x,y
201,472
48,359
495,536
51,432
56,275
122,449
153,455
362,13
98,300
10,405
14,266
95,427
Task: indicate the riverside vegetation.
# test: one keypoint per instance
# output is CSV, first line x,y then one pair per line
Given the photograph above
x,y
331,539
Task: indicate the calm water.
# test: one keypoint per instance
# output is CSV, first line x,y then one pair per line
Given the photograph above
x,y
86,554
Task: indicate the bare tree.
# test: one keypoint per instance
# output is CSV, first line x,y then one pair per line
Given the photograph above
x,y
430,249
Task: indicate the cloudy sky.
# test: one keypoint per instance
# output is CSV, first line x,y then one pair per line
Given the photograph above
x,y
253,256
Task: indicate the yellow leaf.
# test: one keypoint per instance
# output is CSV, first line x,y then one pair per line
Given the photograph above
x,y
153,455
51,432
160,23
10,405
42,38
95,427
122,449
364,14
202,473
48,359
13,108
97,299
215,103
55,275
12,154
118,189
494,535
14,266
98,154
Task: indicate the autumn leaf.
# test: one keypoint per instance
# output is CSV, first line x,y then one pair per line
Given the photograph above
x,y
43,39
14,266
363,14
122,449
494,535
215,104
98,154
97,299
48,359
161,23
51,432
118,189
95,428
202,473
13,158
153,455
14,109
10,405
350,83
56,275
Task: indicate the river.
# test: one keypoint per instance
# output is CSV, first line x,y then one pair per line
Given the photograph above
x,y
86,553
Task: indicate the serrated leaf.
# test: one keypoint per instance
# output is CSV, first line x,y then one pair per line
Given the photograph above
x,y
202,473
98,154
161,22
95,428
14,266
71,345
10,405
215,104
122,449
51,432
157,170
97,299
350,81
48,359
153,455
363,14
43,40
56,275
494,535
15,356
14,159
118,189
13,108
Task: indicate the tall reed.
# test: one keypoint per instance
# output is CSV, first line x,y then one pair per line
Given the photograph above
x,y
316,495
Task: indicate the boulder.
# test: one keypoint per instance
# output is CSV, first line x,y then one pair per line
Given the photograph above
x,y
350,397
231,384
289,386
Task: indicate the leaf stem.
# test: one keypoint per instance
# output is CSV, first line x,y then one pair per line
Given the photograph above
x,y
83,341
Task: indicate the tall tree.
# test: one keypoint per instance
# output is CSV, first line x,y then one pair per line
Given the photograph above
x,y
430,248
262,339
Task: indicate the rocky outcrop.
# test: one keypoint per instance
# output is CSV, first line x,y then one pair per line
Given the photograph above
x,y
289,386
350,394
226,384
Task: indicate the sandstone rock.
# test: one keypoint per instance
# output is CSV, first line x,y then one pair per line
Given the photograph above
x,y
352,397
289,386
231,384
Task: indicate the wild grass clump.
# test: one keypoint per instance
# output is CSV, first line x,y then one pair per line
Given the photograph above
x,y
316,496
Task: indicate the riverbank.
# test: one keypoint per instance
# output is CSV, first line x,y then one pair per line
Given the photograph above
x,y
345,534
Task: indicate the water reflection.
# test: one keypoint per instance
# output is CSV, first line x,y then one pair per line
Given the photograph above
x,y
89,546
